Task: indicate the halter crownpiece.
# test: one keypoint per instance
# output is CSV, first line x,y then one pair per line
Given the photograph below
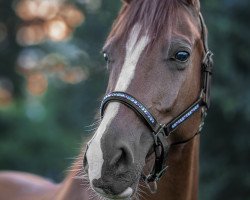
x,y
160,132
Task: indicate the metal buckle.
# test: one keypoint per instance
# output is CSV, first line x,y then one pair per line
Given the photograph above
x,y
159,174
151,180
207,60
207,73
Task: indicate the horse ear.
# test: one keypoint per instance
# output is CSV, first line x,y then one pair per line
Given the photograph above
x,y
127,1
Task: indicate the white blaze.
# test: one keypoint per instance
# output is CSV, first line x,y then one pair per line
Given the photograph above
x,y
134,48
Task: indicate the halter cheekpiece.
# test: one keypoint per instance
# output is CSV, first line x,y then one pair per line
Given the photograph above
x,y
160,131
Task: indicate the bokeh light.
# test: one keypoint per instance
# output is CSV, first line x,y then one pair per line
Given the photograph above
x,y
42,21
30,35
27,9
46,19
57,30
37,83
6,89
74,76
72,16
29,60
47,9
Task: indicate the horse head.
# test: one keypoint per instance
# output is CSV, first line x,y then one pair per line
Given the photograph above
x,y
154,54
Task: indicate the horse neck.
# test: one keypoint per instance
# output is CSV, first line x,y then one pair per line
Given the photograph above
x,y
73,187
181,179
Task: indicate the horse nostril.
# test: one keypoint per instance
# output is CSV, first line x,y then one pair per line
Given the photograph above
x,y
117,157
123,157
85,163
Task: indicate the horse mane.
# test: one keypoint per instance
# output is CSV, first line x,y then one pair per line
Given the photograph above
x,y
154,16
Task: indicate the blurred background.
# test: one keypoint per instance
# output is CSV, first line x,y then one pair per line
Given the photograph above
x,y
52,78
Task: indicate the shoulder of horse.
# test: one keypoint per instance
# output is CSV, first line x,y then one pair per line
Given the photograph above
x,y
24,179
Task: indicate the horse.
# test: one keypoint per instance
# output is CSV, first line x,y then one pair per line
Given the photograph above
x,y
158,94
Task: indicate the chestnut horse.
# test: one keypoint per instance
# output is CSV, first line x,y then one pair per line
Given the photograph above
x,y
155,103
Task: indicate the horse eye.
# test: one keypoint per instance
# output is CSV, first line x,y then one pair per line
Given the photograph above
x,y
182,56
105,55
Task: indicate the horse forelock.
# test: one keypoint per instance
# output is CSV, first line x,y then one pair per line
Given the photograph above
x,y
157,17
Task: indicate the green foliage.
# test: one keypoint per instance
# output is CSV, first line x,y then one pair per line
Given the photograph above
x,y
226,139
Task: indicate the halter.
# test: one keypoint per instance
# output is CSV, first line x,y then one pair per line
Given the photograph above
x,y
161,132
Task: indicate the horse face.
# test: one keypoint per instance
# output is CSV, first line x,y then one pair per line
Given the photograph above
x,y
165,76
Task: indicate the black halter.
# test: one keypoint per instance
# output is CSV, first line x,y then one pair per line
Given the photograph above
x,y
162,131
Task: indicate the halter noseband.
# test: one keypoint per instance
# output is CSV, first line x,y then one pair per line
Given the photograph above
x,y
160,132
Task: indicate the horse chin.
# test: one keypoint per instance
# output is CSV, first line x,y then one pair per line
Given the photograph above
x,y
126,195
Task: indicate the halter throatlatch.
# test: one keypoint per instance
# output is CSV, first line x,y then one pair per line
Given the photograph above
x,y
160,132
